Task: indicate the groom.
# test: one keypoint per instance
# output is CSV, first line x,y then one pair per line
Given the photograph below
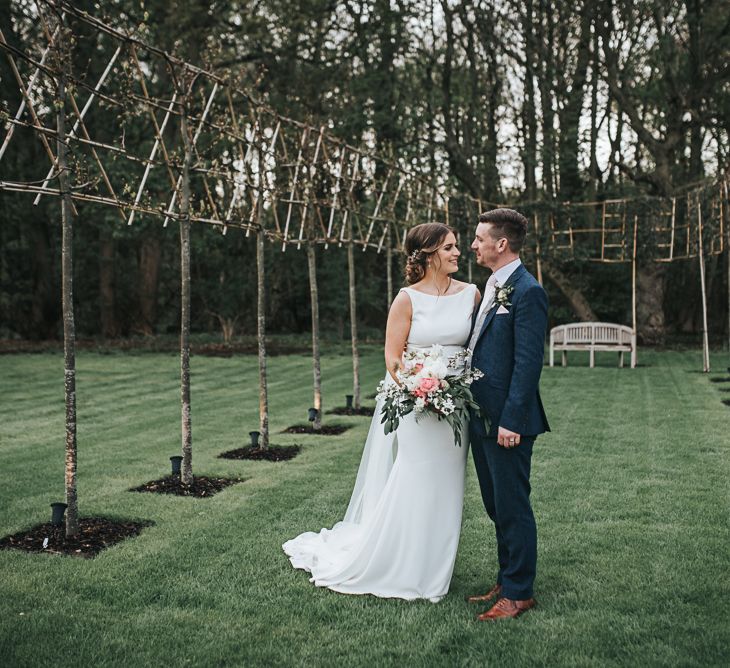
x,y
508,342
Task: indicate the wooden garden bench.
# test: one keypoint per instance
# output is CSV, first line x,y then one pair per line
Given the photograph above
x,y
592,336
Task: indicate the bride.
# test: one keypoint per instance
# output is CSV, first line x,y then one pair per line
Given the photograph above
x,y
400,533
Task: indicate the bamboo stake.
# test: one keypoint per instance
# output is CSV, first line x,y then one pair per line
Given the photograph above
x,y
86,108
261,178
104,175
391,209
307,188
151,106
186,422
69,329
314,298
196,136
148,168
305,134
37,125
243,157
377,208
335,194
28,90
350,199
701,254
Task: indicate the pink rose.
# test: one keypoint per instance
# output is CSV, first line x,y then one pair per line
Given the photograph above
x,y
428,384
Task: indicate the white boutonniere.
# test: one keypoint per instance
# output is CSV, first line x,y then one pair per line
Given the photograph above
x,y
502,296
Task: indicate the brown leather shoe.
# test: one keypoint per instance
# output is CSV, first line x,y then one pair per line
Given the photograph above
x,y
506,608
480,598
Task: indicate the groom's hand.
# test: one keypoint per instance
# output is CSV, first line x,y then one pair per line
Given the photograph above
x,y
507,438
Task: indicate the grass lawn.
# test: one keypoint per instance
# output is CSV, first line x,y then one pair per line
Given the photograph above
x,y
630,490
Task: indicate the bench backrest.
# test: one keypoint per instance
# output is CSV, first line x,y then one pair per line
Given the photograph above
x,y
592,332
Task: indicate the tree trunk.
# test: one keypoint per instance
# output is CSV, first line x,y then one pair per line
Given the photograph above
x,y
546,82
529,114
571,186
651,284
187,435
578,302
314,297
107,302
261,336
453,141
594,171
353,322
695,62
150,253
69,330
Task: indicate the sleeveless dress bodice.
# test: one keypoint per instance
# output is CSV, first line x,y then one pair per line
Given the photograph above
x,y
443,320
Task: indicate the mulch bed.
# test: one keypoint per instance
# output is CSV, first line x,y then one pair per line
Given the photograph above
x,y
273,453
343,410
95,534
326,430
202,487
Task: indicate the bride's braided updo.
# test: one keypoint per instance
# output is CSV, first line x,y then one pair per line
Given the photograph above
x,y
421,243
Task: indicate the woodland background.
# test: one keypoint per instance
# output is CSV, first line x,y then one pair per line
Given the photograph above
x,y
509,101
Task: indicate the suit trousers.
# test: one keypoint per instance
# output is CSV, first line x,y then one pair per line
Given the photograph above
x,y
504,478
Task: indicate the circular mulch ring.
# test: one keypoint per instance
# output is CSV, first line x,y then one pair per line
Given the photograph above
x,y
343,410
272,453
325,430
202,487
95,534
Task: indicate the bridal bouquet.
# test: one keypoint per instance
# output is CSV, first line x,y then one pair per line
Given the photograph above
x,y
424,386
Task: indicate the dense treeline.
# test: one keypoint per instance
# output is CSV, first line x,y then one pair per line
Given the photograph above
x,y
510,100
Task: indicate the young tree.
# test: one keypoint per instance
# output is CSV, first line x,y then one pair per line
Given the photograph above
x,y
69,329
186,423
314,300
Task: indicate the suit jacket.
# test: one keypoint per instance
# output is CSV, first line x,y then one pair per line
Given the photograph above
x,y
509,351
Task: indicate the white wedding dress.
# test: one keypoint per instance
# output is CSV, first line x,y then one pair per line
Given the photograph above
x,y
400,533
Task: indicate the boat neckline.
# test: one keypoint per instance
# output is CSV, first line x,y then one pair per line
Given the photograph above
x,y
455,294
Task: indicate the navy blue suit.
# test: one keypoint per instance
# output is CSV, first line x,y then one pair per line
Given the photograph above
x,y
510,351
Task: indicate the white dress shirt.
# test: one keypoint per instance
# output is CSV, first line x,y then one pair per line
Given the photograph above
x,y
501,276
